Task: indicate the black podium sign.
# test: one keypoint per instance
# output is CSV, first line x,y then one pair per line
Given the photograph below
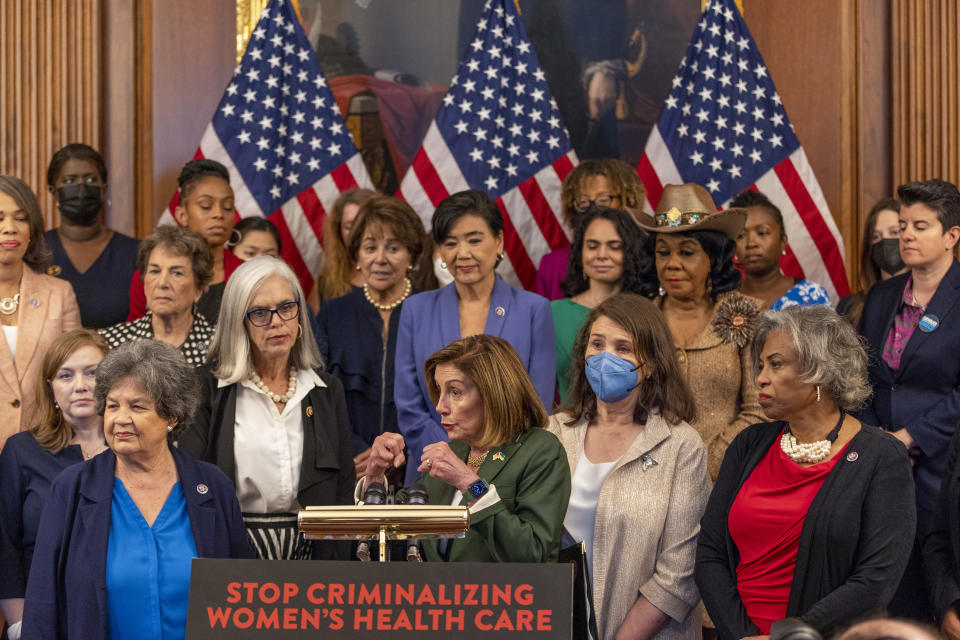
x,y
394,600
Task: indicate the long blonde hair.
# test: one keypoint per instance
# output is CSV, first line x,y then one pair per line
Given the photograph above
x,y
334,279
52,431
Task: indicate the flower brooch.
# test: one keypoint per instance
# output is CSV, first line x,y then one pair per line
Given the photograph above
x,y
735,320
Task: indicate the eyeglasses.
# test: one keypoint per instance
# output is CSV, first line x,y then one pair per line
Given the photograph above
x,y
603,200
262,316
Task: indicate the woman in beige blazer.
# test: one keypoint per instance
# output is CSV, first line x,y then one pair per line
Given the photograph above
x,y
639,472
34,308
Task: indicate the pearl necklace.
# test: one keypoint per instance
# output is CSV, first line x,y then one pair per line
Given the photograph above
x,y
276,397
387,307
809,452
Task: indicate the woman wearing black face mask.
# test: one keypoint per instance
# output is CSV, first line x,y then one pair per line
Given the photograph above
x,y
880,257
98,261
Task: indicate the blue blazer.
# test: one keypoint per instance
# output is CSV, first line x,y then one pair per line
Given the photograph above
x,y
67,590
430,321
923,395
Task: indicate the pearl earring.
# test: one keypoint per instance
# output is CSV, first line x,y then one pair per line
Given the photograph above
x,y
818,393
443,265
169,428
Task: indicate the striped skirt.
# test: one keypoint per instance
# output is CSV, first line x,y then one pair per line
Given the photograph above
x,y
275,536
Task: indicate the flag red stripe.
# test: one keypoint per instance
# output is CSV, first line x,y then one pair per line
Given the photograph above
x,y
290,253
563,166
543,214
650,179
790,265
313,209
343,178
428,176
813,220
522,265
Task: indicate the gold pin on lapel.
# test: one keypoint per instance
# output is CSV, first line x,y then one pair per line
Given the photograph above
x,y
498,456
309,411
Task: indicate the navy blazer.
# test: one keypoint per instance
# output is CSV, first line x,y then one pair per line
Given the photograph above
x,y
350,337
431,320
923,394
67,590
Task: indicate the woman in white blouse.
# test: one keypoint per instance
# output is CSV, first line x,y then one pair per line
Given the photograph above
x,y
639,472
270,418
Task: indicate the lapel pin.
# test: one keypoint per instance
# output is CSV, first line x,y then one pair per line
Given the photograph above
x,y
498,456
648,462
309,411
202,489
852,456
34,302
500,311
929,323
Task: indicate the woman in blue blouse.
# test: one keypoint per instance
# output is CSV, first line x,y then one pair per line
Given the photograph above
x,y
759,248
119,532
69,431
358,332
468,231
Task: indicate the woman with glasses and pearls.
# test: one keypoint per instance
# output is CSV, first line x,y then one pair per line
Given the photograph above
x,y
269,417
601,182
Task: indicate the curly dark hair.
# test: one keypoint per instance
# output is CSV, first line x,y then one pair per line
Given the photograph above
x,y
724,275
623,180
634,257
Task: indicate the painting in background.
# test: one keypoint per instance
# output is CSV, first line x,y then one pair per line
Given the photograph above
x,y
609,64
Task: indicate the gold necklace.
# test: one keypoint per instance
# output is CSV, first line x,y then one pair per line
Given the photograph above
x,y
387,307
8,306
476,461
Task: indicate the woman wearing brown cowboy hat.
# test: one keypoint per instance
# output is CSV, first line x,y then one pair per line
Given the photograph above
x,y
695,283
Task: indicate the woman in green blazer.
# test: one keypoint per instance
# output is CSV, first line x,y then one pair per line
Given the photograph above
x,y
500,462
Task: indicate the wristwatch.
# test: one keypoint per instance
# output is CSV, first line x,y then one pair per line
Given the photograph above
x,y
478,488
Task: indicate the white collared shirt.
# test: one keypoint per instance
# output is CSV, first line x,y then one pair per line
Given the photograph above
x,y
268,447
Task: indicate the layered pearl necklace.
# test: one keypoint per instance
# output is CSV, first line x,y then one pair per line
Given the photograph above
x,y
809,452
387,307
276,397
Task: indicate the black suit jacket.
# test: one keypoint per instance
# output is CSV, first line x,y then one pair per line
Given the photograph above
x,y
941,546
923,394
854,544
326,472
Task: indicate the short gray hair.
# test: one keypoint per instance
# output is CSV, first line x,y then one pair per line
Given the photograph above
x,y
163,373
830,351
230,352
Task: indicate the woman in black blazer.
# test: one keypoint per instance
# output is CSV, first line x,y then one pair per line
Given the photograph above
x,y
813,515
941,549
269,418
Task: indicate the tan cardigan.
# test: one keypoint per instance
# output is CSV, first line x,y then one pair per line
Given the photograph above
x,y
720,375
647,522
48,308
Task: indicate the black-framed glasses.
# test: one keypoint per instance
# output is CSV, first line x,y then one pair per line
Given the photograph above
x,y
603,200
262,316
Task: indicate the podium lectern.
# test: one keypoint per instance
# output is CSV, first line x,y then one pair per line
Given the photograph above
x,y
383,523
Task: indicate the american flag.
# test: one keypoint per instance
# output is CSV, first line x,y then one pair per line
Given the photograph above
x,y
724,127
281,136
499,131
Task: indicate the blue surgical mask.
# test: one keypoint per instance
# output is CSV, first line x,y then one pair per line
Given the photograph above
x,y
612,378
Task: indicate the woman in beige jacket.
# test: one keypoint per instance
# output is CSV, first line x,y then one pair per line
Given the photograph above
x,y
35,309
692,247
639,472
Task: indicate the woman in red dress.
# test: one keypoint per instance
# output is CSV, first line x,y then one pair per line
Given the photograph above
x,y
812,515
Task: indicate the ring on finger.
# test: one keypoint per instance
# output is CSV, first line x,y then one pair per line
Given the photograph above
x,y
428,463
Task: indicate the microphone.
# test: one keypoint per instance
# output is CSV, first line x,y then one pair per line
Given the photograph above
x,y
417,495
376,493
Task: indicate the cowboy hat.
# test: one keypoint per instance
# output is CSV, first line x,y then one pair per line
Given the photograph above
x,y
689,207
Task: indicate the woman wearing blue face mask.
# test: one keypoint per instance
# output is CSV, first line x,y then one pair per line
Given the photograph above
x,y
639,471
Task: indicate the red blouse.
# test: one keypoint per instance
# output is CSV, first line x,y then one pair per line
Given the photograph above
x,y
765,522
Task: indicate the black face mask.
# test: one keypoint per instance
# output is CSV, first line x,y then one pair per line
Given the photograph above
x,y
885,255
80,203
